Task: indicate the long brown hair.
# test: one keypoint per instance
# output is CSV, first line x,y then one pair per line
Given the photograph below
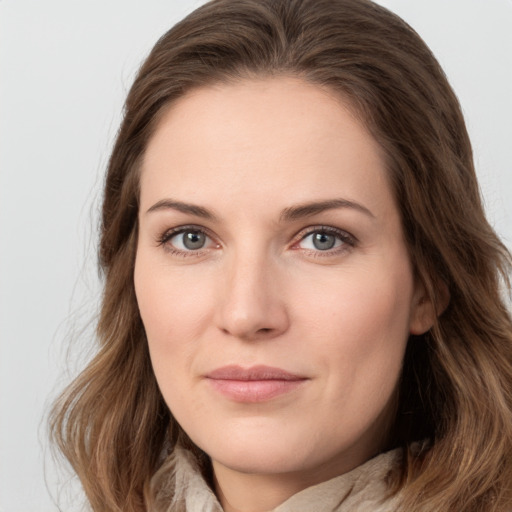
x,y
456,389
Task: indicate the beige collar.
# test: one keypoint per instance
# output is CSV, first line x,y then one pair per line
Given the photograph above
x,y
363,489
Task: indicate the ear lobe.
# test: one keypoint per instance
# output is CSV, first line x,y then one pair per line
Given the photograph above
x,y
424,312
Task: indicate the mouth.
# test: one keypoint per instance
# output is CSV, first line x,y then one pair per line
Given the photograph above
x,y
254,384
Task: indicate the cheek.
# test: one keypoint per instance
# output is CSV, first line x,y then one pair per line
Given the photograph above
x,y
381,309
372,299
359,323
170,302
174,310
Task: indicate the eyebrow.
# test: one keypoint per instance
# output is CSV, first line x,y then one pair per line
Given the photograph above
x,y
313,208
170,204
288,214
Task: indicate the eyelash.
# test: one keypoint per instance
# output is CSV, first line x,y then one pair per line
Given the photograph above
x,y
164,239
348,241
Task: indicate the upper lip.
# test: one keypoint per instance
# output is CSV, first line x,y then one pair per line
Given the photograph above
x,y
260,372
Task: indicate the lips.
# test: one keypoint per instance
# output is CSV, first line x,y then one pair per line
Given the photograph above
x,y
255,384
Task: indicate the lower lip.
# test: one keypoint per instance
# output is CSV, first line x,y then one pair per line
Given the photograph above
x,y
253,391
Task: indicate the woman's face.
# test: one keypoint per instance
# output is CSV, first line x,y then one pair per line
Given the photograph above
x,y
273,279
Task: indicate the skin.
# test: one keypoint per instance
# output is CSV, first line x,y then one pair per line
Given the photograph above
x,y
260,292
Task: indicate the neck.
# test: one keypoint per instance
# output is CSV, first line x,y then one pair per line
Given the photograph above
x,y
252,493
249,492
245,491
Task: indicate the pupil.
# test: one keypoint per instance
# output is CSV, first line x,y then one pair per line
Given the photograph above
x,y
193,240
323,241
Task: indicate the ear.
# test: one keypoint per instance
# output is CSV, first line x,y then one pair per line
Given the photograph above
x,y
424,311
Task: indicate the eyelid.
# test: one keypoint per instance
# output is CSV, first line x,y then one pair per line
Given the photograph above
x,y
164,239
347,238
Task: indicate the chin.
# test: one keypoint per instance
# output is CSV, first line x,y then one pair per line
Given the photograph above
x,y
261,459
258,452
267,453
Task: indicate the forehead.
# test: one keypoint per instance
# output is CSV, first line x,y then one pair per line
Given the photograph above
x,y
264,139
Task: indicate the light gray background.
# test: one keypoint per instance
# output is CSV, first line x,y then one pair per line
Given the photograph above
x,y
65,67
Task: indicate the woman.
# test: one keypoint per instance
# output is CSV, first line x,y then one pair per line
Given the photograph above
x,y
302,304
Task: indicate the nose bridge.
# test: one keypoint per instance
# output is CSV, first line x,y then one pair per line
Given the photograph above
x,y
251,305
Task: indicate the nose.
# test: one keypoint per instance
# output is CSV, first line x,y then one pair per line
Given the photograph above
x,y
251,304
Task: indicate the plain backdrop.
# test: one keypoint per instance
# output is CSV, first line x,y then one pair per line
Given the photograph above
x,y
65,67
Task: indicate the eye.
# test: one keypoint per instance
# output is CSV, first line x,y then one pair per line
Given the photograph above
x,y
325,239
320,241
186,240
189,240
